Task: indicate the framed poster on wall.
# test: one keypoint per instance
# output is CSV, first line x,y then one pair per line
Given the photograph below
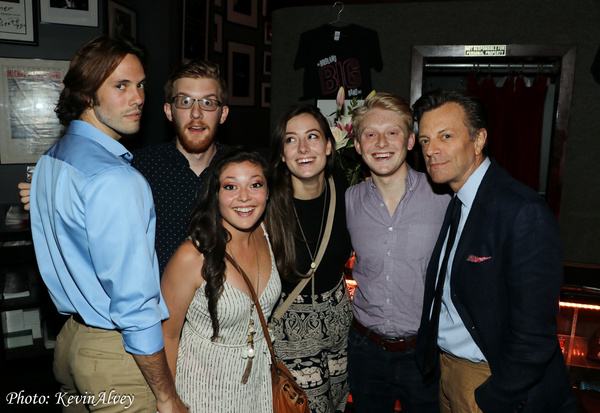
x,y
75,13
243,12
29,90
122,22
17,22
240,74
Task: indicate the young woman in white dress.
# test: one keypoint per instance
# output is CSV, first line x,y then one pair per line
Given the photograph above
x,y
214,343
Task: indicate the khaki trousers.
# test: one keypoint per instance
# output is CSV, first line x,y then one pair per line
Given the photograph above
x,y
458,382
97,374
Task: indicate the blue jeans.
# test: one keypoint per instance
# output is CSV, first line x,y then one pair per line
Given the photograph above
x,y
378,377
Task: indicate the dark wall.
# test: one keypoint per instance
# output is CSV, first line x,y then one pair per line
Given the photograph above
x,y
161,21
56,42
403,25
159,30
245,125
400,26
60,42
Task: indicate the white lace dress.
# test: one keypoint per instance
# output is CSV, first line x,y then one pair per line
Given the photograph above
x,y
209,374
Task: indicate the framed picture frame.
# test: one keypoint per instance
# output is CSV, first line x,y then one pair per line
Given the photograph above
x,y
267,63
265,95
19,22
122,21
195,30
244,12
75,13
218,34
268,32
240,74
29,90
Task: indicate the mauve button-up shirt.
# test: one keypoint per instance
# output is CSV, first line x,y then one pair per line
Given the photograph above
x,y
392,253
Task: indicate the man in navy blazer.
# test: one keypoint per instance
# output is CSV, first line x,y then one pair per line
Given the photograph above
x,y
496,348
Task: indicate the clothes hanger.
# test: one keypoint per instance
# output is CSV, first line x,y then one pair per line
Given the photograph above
x,y
474,70
339,22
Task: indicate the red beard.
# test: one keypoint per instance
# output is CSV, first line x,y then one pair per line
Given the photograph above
x,y
195,144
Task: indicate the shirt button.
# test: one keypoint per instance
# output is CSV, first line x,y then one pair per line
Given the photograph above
x,y
388,253
387,300
387,277
390,228
387,321
382,204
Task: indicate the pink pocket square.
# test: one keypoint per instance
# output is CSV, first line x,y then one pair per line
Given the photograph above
x,y
474,258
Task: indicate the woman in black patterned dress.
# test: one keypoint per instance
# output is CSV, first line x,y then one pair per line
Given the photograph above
x,y
311,335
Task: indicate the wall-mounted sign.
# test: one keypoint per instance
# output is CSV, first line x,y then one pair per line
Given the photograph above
x,y
29,90
486,50
17,21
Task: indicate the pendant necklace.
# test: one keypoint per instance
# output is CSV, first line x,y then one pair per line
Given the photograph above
x,y
313,264
312,256
249,352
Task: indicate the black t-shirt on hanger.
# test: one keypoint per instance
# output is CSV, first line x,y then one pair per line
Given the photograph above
x,y
338,56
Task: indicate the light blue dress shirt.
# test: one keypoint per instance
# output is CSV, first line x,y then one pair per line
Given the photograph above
x,y
453,336
93,227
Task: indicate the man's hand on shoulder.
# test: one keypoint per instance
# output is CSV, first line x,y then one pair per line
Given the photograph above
x,y
24,192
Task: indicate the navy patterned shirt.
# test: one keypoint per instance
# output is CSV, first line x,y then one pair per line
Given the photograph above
x,y
175,188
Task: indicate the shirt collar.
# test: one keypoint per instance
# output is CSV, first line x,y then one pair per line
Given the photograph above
x,y
411,179
176,156
87,130
467,193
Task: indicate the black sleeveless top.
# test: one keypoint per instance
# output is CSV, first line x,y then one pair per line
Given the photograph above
x,y
310,213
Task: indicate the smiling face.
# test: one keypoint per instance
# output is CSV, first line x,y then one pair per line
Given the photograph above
x,y
450,154
196,128
242,195
305,148
384,142
120,99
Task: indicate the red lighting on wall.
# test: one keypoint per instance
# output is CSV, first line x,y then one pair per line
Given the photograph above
x,y
580,305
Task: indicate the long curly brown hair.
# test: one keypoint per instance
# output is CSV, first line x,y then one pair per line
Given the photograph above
x,y
208,234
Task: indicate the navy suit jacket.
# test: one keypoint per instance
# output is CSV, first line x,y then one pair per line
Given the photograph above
x,y
506,280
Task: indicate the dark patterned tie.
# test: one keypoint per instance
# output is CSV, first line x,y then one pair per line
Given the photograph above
x,y
431,354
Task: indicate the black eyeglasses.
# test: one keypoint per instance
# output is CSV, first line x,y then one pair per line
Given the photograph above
x,y
186,102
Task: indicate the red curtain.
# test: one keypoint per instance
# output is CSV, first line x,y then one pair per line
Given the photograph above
x,y
516,114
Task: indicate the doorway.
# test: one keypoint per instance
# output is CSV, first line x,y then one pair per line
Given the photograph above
x,y
527,137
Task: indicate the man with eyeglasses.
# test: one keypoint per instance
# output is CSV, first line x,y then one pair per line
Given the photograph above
x,y
196,103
